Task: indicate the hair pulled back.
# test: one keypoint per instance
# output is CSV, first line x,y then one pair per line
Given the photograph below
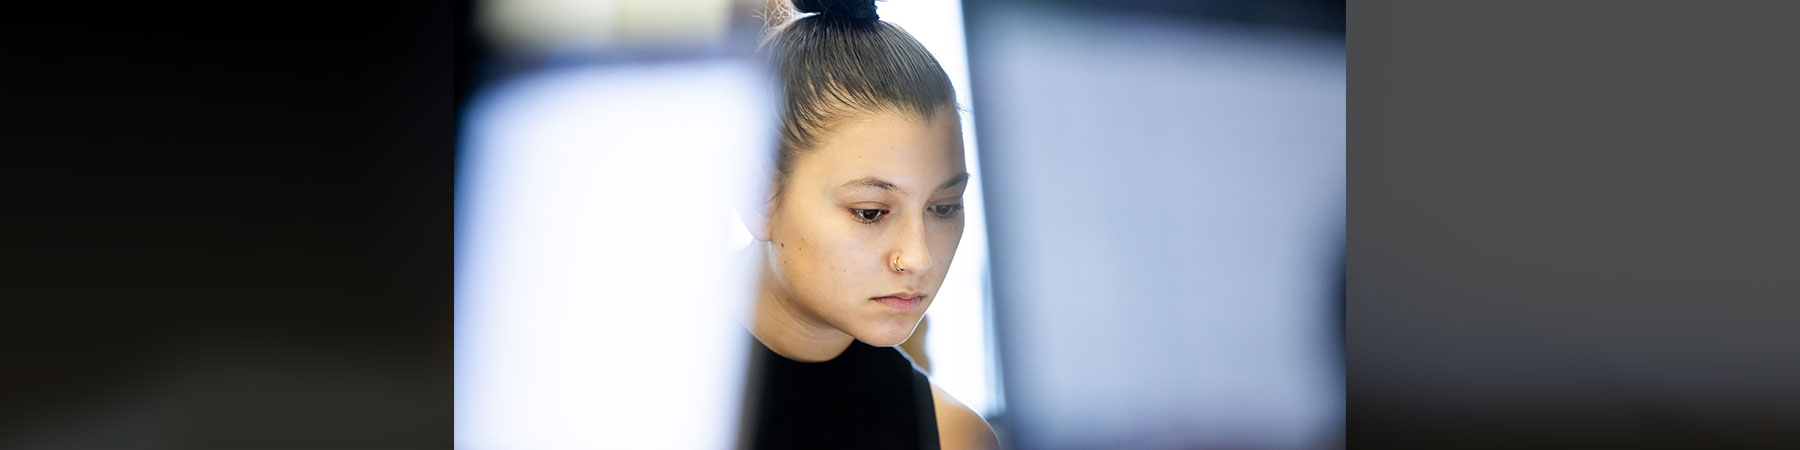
x,y
841,62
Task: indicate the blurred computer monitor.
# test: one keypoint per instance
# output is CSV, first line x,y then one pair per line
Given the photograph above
x,y
1166,214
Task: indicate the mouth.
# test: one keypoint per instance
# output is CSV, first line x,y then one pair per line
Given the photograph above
x,y
901,302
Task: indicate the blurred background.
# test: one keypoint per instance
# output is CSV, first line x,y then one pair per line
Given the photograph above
x,y
1154,248
227,228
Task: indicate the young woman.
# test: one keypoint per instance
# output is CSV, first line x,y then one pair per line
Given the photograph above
x,y
864,215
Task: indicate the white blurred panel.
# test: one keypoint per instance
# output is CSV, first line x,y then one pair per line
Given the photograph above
x,y
592,296
1171,235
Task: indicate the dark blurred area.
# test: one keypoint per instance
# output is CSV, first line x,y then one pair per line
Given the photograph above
x,y
227,226
1573,226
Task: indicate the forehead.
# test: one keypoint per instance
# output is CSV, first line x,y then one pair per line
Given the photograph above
x,y
896,147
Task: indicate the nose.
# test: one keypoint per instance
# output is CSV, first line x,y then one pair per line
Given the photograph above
x,y
909,253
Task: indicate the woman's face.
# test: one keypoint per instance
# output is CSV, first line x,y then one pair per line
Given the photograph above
x,y
876,194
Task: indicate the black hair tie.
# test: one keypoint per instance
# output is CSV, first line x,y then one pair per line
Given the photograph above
x,y
849,9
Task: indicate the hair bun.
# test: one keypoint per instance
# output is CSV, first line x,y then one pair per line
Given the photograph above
x,y
849,9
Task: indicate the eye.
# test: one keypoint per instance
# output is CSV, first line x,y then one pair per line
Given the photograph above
x,y
868,215
946,211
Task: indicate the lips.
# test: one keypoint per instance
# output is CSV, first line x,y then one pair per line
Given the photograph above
x,y
901,302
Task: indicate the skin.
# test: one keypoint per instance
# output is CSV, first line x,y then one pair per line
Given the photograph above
x,y
877,192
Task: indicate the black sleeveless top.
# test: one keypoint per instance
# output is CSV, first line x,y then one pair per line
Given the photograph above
x,y
866,398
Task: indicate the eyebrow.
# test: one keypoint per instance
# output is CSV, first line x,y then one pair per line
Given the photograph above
x,y
877,183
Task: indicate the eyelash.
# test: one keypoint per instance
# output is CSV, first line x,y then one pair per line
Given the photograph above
x,y
942,211
859,215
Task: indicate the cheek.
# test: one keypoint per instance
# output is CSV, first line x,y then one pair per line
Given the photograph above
x,y
823,263
944,241
844,258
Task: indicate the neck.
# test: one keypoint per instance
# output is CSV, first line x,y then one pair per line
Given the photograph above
x,y
783,325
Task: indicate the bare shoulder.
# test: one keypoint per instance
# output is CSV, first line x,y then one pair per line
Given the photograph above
x,y
958,426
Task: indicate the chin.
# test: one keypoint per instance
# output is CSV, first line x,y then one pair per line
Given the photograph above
x,y
887,334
